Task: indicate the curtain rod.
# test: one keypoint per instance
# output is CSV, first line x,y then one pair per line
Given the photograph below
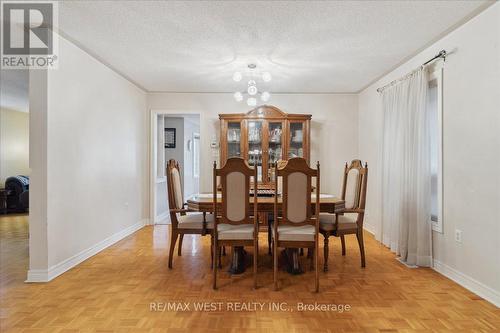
x,y
441,54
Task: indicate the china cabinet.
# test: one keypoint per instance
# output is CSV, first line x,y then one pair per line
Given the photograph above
x,y
263,136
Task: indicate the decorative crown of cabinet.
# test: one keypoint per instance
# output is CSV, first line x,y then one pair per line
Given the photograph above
x,y
263,136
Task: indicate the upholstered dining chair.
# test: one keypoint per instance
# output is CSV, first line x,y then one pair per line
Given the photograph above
x,y
297,226
183,220
278,186
234,223
350,221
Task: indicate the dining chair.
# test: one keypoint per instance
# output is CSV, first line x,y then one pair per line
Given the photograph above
x,y
278,185
234,223
297,225
350,220
183,220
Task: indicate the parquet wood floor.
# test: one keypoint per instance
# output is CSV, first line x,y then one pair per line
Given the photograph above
x,y
113,292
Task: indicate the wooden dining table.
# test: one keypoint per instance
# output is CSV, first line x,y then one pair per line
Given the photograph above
x,y
328,203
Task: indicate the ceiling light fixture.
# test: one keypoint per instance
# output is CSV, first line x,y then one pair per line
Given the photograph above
x,y
251,90
237,76
251,101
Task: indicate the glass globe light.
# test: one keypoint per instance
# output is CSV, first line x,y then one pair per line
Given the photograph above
x,y
238,96
252,101
266,76
252,90
237,76
265,96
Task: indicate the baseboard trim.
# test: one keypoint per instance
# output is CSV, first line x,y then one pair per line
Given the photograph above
x,y
467,282
46,275
369,228
162,218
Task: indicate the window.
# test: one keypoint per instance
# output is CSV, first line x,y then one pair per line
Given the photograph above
x,y
435,109
196,155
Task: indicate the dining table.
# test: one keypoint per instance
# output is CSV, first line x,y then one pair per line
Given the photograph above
x,y
328,203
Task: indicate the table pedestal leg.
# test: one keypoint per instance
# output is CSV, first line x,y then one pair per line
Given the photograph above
x,y
292,261
237,260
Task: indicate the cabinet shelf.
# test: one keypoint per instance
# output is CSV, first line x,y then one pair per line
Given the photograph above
x,y
275,129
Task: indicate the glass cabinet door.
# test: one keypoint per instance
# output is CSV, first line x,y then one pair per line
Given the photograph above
x,y
296,140
233,139
275,147
255,145
275,142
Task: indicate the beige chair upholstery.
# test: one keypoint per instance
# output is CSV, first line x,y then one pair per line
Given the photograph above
x,y
303,233
326,221
352,189
235,196
346,221
296,211
279,180
279,185
235,232
176,182
194,221
297,197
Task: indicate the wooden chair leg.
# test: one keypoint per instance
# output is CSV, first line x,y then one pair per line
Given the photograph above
x,y
316,263
215,265
310,255
255,256
179,247
325,253
342,240
269,239
211,252
275,265
220,256
173,239
359,235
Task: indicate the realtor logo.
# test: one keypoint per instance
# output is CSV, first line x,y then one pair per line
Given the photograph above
x,y
27,34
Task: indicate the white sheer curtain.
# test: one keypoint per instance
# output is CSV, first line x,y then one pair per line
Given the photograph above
x,y
406,199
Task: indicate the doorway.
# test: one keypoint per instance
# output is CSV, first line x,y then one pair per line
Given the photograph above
x,y
176,136
14,176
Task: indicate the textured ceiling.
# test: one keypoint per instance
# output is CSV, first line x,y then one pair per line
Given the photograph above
x,y
188,46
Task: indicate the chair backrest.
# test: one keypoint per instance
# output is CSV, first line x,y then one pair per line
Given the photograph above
x,y
354,185
296,193
235,185
174,186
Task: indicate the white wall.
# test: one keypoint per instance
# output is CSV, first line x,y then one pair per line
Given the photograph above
x,y
93,125
471,156
14,144
334,138
191,184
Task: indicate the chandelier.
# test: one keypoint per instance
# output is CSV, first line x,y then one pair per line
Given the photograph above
x,y
251,92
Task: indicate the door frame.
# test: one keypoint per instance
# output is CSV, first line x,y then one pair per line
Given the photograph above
x,y
153,170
